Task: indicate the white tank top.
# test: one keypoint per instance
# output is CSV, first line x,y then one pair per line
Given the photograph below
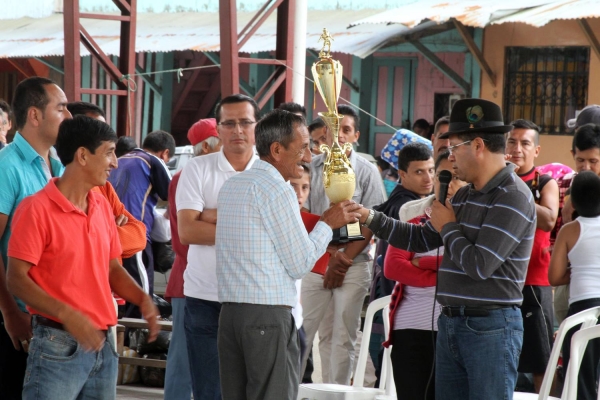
x,y
585,261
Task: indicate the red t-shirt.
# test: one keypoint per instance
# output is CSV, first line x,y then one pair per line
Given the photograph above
x,y
310,220
537,271
70,250
175,284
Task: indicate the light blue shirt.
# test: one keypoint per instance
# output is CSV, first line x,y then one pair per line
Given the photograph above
x,y
261,243
23,172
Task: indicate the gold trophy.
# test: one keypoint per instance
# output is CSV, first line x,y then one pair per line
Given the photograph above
x,y
338,175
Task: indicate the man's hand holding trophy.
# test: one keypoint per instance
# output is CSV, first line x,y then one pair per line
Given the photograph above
x,y
338,176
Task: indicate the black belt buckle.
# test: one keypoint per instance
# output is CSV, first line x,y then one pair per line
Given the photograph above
x,y
459,311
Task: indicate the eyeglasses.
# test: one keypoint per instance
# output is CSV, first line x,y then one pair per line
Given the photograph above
x,y
230,125
451,148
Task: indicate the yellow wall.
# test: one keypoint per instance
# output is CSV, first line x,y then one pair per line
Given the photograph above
x,y
555,34
555,149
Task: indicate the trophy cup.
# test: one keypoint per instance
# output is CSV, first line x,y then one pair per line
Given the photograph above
x,y
338,176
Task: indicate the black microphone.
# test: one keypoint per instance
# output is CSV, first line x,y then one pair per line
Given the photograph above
x,y
444,177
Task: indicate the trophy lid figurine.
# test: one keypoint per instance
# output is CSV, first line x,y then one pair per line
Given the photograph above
x,y
338,175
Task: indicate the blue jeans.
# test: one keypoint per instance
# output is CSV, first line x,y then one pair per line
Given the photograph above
x,y
477,357
59,369
201,327
178,380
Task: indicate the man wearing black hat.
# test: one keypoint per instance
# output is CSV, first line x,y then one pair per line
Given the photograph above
x,y
487,230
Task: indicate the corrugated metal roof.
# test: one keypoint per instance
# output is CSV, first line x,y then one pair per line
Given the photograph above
x,y
540,16
164,32
479,13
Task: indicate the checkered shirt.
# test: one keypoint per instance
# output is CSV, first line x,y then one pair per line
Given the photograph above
x,y
261,243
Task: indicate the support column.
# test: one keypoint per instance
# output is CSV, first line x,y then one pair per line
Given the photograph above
x,y
127,63
230,73
279,84
299,62
285,49
76,34
72,50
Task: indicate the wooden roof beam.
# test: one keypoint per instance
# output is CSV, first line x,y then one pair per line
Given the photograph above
x,y
189,83
442,66
210,99
472,46
589,34
434,30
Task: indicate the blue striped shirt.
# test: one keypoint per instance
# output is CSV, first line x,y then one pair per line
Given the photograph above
x,y
261,243
487,249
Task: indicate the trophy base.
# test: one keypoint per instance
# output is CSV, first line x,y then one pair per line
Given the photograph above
x,y
347,234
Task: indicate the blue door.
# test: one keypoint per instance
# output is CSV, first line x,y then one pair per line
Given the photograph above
x,y
393,86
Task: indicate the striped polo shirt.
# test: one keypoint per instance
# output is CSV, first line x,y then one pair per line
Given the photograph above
x,y
486,251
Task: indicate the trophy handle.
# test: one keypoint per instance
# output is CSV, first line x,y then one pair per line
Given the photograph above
x,y
347,147
327,152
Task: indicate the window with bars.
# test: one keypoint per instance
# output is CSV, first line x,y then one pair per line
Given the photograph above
x,y
546,85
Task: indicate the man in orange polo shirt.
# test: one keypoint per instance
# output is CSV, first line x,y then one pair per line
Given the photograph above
x,y
63,263
132,232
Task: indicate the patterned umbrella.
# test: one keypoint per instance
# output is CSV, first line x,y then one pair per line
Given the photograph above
x,y
400,139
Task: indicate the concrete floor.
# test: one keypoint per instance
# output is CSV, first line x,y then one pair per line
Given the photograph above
x,y
140,392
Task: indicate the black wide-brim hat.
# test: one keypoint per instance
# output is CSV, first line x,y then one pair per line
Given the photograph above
x,y
476,116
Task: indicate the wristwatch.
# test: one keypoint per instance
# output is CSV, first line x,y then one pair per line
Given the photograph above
x,y
369,218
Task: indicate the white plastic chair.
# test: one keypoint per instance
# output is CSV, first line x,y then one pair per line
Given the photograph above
x,y
114,328
579,342
387,373
587,318
329,391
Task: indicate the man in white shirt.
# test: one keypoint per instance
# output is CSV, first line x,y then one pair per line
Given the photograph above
x,y
196,199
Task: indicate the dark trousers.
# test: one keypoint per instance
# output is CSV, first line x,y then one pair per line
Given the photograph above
x,y
12,367
413,362
131,265
259,353
538,323
587,385
201,326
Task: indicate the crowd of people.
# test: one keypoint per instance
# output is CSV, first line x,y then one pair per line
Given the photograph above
x,y
472,236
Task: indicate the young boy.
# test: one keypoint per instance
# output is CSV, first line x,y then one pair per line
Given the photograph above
x,y
577,243
302,188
